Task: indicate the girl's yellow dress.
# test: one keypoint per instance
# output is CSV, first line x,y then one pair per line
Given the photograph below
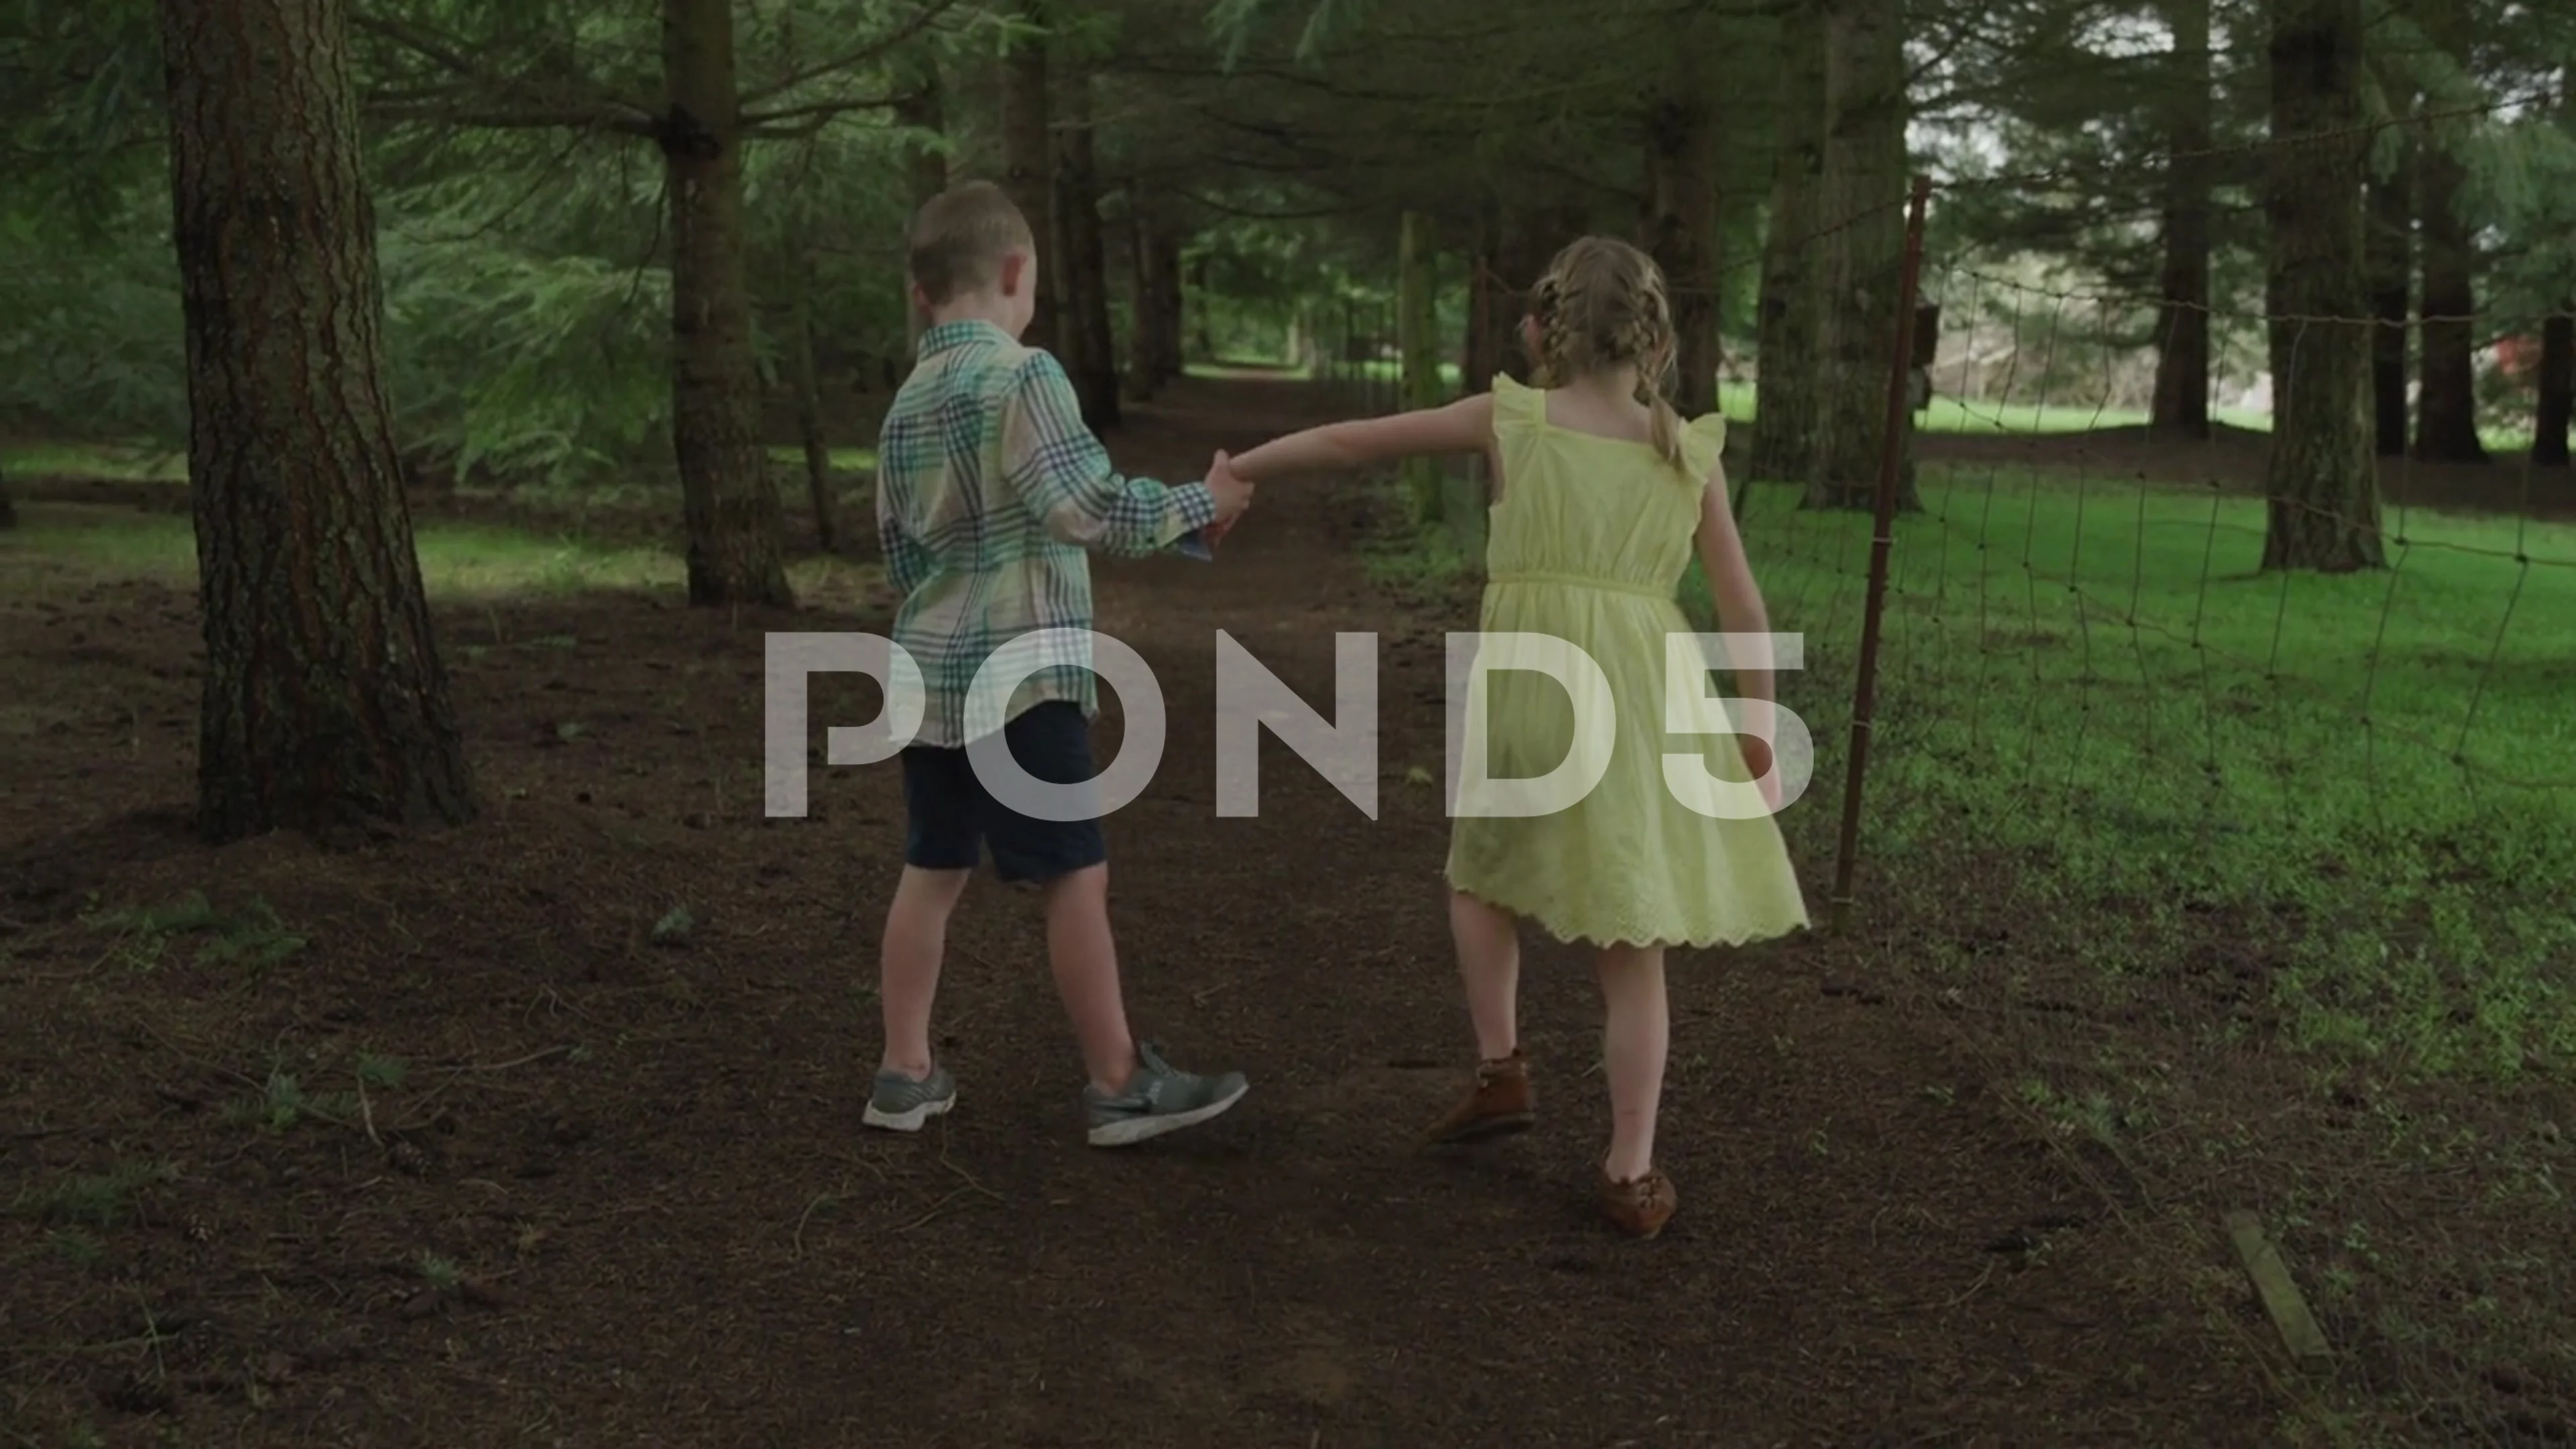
x,y
1588,545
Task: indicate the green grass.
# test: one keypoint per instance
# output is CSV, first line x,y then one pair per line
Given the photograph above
x,y
844,460
2089,688
93,460
455,559
152,465
1945,415
2094,679
1949,415
468,561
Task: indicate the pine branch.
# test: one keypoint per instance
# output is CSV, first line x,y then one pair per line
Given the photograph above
x,y
902,35
474,113
813,118
489,99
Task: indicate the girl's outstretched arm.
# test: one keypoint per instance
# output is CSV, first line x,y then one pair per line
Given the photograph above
x,y
1740,612
1464,426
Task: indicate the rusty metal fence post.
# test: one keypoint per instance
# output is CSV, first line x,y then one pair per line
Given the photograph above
x,y
1891,468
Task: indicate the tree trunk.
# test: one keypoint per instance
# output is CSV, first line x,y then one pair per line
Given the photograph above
x,y
1681,163
325,703
1487,326
2446,422
925,110
1858,198
2557,390
1524,257
1028,163
1094,346
1144,360
2181,406
2446,417
809,415
1787,380
2389,249
729,498
1206,339
2323,483
1420,347
1170,297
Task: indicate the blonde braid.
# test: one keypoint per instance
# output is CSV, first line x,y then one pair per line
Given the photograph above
x,y
1602,304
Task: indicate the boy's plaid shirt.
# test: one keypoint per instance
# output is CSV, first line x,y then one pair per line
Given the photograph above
x,y
989,489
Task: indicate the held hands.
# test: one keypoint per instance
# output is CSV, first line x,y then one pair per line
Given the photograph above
x,y
1233,496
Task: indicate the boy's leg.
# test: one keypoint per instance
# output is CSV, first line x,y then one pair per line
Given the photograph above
x,y
1133,1094
1084,955
941,847
1636,1038
916,941
1489,967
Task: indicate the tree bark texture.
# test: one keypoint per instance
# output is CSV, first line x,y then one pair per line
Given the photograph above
x,y
2180,409
325,703
1028,163
1089,337
2323,483
1787,382
2389,253
1861,205
1681,163
729,499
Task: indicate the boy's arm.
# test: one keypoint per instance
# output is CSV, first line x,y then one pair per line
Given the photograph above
x,y
1060,471
1463,426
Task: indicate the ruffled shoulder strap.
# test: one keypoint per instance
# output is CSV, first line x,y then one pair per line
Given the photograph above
x,y
1703,442
1517,405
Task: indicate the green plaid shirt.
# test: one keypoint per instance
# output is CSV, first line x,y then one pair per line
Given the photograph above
x,y
989,491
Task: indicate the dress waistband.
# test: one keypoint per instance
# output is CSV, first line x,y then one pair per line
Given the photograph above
x,y
1579,581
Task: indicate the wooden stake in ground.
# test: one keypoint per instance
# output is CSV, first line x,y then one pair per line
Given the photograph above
x,y
2279,1292
325,703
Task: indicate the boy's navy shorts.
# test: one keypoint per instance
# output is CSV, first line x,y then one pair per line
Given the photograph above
x,y
951,817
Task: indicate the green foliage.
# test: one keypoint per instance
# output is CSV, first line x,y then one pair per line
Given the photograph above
x,y
508,362
90,340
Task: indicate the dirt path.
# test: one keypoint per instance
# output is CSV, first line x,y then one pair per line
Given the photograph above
x,y
681,1235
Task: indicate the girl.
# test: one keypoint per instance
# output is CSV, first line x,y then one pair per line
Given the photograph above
x,y
1602,493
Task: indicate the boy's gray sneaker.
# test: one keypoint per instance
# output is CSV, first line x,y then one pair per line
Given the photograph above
x,y
903,1104
1159,1098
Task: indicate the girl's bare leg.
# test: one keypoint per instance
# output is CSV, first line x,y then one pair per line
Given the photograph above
x,y
1636,1037
1489,966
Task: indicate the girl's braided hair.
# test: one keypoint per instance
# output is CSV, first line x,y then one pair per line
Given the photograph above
x,y
1602,304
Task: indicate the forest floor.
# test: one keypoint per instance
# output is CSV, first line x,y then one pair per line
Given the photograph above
x,y
546,1130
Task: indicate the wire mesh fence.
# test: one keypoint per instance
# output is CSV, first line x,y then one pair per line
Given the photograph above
x,y
2251,882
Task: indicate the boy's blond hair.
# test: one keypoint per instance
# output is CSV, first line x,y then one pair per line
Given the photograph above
x,y
960,236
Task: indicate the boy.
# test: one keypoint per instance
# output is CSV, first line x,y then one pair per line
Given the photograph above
x,y
989,489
